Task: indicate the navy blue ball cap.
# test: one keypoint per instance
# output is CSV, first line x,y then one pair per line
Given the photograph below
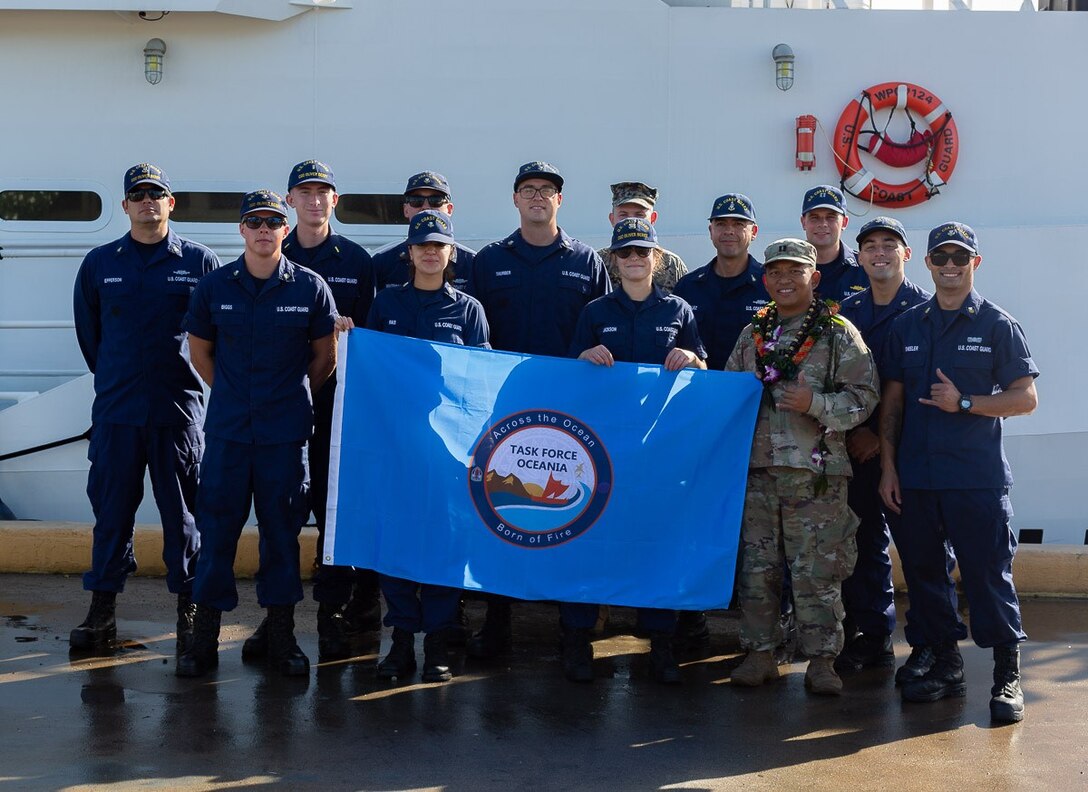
x,y
311,171
263,201
733,205
146,173
824,196
883,224
953,233
430,226
633,232
428,180
539,170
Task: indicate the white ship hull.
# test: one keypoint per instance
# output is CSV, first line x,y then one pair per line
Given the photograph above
x,y
681,97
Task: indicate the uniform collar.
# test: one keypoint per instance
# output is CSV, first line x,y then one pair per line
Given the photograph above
x,y
516,240
655,296
172,246
285,270
971,307
330,245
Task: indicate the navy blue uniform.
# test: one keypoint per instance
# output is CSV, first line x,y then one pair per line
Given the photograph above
x,y
953,473
452,317
638,332
391,267
148,400
259,419
534,295
842,277
634,332
867,594
723,306
349,272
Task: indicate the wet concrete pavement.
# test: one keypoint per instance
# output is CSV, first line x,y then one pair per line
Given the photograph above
x,y
126,721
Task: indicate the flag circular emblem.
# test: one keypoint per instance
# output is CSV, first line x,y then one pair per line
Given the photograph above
x,y
539,478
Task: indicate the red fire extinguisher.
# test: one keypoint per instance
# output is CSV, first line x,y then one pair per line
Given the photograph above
x,y
806,138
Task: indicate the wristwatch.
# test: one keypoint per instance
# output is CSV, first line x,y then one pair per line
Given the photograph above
x,y
966,403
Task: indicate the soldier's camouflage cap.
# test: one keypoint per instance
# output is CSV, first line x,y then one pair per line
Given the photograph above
x,y
633,192
790,249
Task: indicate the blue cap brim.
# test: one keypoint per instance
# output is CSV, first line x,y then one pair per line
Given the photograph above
x,y
432,237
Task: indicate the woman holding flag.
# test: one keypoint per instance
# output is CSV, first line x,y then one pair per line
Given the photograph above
x,y
429,308
637,323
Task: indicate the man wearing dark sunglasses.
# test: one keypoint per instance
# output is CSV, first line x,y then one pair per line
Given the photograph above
x,y
954,368
260,330
533,286
130,298
348,270
425,190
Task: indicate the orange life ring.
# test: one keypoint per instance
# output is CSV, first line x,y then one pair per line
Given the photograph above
x,y
861,183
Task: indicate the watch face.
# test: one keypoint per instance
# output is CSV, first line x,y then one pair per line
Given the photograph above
x,y
965,403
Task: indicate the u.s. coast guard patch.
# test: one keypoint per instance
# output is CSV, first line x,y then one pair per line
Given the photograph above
x,y
539,478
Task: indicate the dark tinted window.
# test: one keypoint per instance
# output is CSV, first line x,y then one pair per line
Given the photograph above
x,y
207,207
50,205
371,209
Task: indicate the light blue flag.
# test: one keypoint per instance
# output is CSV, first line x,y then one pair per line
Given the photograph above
x,y
538,477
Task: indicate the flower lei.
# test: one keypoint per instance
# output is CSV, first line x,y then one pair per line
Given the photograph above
x,y
776,362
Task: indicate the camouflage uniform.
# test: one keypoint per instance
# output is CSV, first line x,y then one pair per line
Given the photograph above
x,y
784,520
672,269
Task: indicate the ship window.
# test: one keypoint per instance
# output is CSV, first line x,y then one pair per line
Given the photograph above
x,y
206,207
50,205
371,209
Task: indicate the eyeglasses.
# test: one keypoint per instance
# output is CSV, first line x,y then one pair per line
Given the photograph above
x,y
961,258
273,222
625,252
155,193
543,192
433,201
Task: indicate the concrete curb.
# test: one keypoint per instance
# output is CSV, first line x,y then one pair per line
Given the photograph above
x,y
65,548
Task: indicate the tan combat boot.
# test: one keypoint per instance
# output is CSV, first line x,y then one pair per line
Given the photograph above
x,y
757,668
821,677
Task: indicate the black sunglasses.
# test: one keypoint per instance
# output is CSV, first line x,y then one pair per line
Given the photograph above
x,y
433,201
155,193
961,258
641,252
273,222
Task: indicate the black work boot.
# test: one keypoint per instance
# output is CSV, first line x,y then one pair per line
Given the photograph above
x,y
692,632
436,658
203,652
865,650
459,634
363,613
186,614
283,652
494,639
920,661
1007,702
332,642
255,647
663,667
944,679
577,655
400,663
99,629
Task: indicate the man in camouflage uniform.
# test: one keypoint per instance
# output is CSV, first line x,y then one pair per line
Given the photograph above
x,y
795,508
635,199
